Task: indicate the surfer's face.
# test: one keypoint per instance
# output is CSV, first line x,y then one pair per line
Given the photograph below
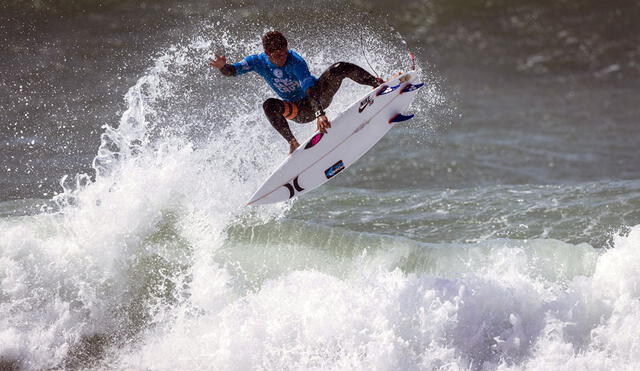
x,y
278,56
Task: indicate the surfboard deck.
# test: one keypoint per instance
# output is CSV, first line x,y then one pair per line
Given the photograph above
x,y
323,156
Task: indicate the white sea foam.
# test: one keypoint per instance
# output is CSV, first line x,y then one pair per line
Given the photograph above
x,y
503,315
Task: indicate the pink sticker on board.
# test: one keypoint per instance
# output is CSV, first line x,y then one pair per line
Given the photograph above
x,y
316,138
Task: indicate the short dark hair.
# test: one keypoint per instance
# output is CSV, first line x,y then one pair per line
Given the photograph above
x,y
274,40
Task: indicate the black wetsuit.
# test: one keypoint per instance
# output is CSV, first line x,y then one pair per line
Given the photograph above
x,y
318,97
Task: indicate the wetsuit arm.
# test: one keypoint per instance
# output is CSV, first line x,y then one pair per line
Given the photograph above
x,y
228,70
248,64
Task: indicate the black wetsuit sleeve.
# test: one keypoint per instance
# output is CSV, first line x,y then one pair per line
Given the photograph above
x,y
228,70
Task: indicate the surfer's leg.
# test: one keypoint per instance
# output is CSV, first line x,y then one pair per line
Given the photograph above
x,y
328,85
274,109
304,111
331,79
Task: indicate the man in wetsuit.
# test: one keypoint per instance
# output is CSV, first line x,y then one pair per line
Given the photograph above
x,y
303,96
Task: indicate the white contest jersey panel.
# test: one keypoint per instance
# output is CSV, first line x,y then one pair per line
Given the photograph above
x,y
323,156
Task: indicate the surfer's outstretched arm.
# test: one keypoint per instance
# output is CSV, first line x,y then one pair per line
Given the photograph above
x,y
239,68
220,62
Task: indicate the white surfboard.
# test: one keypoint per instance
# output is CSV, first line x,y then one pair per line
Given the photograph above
x,y
323,156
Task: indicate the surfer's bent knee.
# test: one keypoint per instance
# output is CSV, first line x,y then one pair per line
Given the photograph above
x,y
272,105
339,68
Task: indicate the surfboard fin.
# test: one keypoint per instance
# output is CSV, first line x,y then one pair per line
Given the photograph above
x,y
411,87
387,89
400,117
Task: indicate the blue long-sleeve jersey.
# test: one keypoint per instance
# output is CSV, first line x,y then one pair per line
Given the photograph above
x,y
290,81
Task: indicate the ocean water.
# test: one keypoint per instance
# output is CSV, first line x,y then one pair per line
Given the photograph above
x,y
497,230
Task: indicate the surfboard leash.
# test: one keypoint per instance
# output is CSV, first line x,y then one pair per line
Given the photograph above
x,y
411,55
362,46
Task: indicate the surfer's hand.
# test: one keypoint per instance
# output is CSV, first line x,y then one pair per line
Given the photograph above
x,y
218,61
293,145
379,81
322,124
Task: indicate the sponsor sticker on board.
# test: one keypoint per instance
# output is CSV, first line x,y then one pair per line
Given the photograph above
x,y
334,169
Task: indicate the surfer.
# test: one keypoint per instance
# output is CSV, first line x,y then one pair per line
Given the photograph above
x,y
303,96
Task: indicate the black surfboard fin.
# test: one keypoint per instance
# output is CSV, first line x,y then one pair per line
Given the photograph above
x,y
411,87
400,118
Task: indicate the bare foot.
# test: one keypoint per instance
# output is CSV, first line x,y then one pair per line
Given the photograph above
x,y
293,145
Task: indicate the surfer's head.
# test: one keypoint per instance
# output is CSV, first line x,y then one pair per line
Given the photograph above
x,y
275,46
